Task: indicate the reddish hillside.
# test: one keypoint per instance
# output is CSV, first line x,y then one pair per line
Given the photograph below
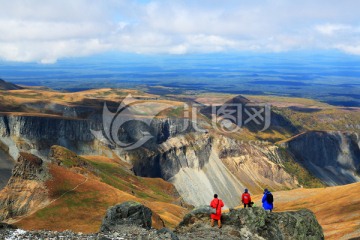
x,y
80,196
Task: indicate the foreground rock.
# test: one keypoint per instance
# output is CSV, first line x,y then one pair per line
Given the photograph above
x,y
127,213
132,220
252,223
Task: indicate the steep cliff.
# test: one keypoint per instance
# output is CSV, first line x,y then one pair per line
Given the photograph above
x,y
6,166
192,165
198,164
333,157
257,166
36,134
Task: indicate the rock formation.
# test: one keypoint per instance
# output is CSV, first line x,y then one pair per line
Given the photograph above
x,y
127,213
25,191
251,223
333,157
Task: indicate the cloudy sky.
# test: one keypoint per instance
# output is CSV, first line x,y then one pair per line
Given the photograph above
x,y
45,31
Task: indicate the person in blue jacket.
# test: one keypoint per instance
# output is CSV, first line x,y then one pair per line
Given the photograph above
x,y
268,200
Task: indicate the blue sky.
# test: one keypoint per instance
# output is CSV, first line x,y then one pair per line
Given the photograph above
x,y
46,31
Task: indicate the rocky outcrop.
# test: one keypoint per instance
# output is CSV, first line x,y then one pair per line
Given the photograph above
x,y
333,157
127,213
256,166
26,190
251,223
132,220
66,158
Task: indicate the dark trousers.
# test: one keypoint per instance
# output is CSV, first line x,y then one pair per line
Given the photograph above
x,y
247,204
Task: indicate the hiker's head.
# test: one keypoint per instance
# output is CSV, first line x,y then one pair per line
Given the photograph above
x,y
266,190
215,195
246,190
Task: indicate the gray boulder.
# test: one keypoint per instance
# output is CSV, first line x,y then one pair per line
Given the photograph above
x,y
252,223
199,214
127,213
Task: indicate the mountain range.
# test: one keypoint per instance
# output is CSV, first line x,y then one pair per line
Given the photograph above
x,y
65,177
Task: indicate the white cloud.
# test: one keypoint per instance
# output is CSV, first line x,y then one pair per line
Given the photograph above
x,y
45,31
351,49
331,29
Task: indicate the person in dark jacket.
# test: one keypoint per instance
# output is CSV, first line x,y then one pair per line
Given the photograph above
x,y
246,198
268,200
217,204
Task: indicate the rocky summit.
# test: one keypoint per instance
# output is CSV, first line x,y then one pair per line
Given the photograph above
x,y
132,220
251,223
127,213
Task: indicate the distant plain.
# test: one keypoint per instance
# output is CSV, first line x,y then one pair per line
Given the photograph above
x,y
329,77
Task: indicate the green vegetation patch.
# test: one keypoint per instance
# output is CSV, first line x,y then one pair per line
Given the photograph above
x,y
66,158
305,178
115,176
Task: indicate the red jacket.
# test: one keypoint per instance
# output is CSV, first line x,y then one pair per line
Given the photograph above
x,y
246,198
218,204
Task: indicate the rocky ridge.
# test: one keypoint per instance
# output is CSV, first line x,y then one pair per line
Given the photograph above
x,y
179,154
173,154
253,223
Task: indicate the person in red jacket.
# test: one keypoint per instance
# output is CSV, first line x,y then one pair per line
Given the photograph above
x,y
217,204
246,198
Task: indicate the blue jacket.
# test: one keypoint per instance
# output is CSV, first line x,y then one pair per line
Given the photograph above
x,y
266,205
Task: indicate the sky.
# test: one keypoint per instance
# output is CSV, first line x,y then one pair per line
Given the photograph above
x,y
47,31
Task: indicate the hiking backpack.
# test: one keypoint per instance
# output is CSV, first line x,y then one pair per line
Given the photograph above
x,y
269,198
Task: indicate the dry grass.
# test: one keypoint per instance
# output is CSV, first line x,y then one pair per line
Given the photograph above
x,y
287,101
31,102
83,208
336,208
81,195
